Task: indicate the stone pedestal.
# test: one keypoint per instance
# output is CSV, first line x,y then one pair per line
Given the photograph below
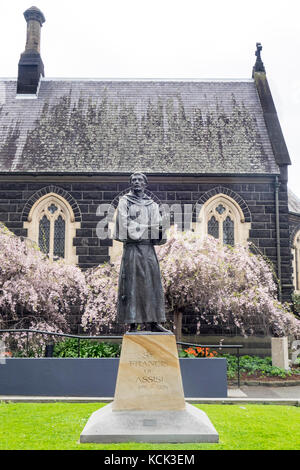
x,y
280,353
149,375
149,403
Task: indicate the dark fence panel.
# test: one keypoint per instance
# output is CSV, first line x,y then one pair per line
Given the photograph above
x,y
73,377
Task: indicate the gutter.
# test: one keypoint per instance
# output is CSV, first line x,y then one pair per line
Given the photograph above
x,y
128,173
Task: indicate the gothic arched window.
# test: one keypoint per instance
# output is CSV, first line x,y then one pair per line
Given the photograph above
x,y
51,225
220,223
222,218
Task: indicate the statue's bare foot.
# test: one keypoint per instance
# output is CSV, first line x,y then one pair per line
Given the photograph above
x,y
132,327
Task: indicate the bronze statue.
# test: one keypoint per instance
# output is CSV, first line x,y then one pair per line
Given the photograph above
x,y
138,227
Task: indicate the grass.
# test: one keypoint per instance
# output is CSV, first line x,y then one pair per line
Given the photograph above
x,y
58,425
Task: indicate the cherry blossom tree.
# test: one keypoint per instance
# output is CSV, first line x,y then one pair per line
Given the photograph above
x,y
220,284
35,292
101,305
227,284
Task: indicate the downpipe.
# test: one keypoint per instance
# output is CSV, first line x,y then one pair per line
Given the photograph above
x,y
277,186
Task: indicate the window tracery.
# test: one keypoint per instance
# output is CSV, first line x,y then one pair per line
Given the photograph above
x,y
222,218
52,226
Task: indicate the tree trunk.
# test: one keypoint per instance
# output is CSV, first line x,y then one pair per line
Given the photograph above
x,y
178,325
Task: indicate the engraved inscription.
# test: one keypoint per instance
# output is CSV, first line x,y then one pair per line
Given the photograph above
x,y
152,372
145,364
149,379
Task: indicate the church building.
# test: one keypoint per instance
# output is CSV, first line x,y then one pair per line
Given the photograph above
x,y
69,145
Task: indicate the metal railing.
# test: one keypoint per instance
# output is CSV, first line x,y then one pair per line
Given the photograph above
x,y
110,337
219,346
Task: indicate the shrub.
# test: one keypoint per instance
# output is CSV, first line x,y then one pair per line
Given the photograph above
x,y
197,352
88,348
252,365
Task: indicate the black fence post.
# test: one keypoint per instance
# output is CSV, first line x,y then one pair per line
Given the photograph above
x,y
49,350
27,345
238,359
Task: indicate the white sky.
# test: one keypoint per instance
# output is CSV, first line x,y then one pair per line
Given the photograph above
x,y
167,39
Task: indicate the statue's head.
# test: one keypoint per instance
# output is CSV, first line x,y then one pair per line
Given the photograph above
x,y
138,174
138,182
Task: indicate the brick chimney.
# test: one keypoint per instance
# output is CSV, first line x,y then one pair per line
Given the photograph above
x,y
31,66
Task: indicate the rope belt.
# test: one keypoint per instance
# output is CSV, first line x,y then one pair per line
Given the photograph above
x,y
142,242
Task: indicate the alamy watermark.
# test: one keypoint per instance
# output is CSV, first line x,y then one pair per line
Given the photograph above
x,y
141,223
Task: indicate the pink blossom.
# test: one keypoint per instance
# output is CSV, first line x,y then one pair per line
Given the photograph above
x,y
230,283
35,291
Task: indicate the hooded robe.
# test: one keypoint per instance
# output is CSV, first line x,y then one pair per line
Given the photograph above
x,y
140,295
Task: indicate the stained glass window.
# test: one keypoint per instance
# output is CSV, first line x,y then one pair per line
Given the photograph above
x,y
59,237
220,209
213,227
228,231
52,208
44,234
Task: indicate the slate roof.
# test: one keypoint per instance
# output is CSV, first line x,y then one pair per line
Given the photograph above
x,y
118,126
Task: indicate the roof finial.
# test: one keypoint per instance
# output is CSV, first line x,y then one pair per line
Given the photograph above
x,y
258,66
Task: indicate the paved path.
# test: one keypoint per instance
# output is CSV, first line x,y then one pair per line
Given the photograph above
x,y
284,395
261,391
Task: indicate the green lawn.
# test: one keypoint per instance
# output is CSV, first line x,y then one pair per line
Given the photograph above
x,y
58,426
